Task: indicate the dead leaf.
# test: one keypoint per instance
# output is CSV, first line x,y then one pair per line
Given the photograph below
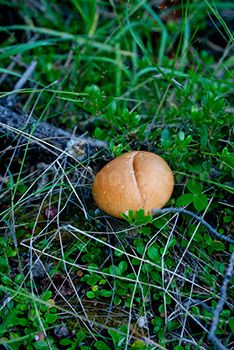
x,y
62,284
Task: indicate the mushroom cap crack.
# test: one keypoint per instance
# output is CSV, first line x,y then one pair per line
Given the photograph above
x,y
133,181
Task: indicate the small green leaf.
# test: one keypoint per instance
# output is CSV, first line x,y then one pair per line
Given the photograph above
x,y
184,243
218,246
80,335
225,313
153,253
172,325
99,133
66,342
136,261
19,278
140,248
161,308
219,266
93,280
11,252
231,323
165,135
12,320
118,338
145,220
200,202
115,270
22,188
196,311
41,345
23,321
156,276
105,293
20,232
50,318
178,347
138,344
123,329
90,294
128,217
124,216
100,345
185,199
92,267
116,300
146,231
139,214
95,288
227,218
123,266
194,186
157,321
172,242
181,135
168,299
103,281
46,295
111,108
161,336
130,214
117,253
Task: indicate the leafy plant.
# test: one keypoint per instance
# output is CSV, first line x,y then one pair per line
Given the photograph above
x,y
77,341
138,218
196,196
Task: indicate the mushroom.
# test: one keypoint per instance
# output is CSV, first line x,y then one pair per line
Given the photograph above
x,y
133,181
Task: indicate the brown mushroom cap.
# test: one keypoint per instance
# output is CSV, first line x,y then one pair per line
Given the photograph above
x,y
133,181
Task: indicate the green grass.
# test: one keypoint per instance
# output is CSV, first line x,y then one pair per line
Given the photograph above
x,y
140,77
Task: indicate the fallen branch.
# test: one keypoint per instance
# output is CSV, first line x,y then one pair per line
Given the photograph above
x,y
47,137
14,122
